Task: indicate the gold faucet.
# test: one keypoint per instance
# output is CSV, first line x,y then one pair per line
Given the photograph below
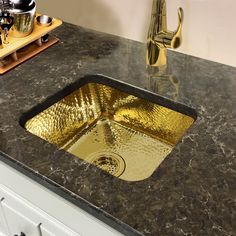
x,y
159,38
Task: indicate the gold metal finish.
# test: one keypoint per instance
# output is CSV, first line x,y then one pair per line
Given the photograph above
x,y
159,38
162,82
110,162
122,134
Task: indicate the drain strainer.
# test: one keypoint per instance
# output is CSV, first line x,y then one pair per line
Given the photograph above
x,y
109,162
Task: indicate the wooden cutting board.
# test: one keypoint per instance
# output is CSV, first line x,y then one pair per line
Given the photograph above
x,y
12,54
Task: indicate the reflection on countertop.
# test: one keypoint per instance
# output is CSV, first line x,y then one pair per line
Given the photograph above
x,y
163,82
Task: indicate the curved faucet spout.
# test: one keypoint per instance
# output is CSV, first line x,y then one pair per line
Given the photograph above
x,y
159,38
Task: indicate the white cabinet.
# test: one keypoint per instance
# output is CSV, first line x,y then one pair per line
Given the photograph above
x,y
18,223
3,225
55,230
19,216
53,214
51,227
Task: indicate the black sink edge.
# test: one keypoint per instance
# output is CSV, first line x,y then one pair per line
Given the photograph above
x,y
122,86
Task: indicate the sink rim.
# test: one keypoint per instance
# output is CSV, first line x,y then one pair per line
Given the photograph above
x,y
127,89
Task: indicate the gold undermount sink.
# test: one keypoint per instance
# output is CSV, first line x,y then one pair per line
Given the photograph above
x,y
121,129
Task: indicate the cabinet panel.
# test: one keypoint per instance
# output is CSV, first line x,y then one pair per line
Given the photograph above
x,y
3,226
32,196
18,223
22,216
56,231
46,232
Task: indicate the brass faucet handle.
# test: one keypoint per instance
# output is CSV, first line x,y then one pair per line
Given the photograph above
x,y
177,39
172,39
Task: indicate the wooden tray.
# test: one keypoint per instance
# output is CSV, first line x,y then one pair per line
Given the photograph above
x,y
12,54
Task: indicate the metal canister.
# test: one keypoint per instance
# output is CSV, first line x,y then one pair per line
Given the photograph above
x,y
24,13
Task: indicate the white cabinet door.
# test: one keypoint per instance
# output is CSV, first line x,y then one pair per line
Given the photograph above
x,y
22,216
56,230
3,226
18,223
15,185
46,232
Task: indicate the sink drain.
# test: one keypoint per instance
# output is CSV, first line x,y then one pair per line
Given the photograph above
x,y
109,162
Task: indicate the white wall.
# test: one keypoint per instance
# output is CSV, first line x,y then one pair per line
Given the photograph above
x,y
208,28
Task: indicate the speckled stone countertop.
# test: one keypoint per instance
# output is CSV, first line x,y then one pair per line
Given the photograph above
x,y
193,192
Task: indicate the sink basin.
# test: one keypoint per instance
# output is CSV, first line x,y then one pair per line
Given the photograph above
x,y
124,130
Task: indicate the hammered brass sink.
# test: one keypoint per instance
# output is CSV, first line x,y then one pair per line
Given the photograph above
x,y
121,129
